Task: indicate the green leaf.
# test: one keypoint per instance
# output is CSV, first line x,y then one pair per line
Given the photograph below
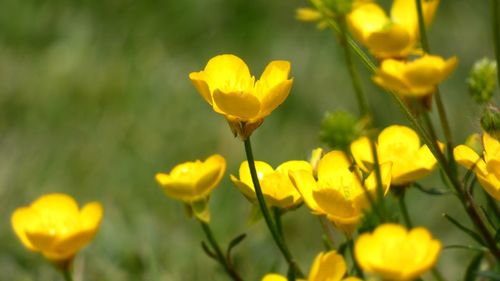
x,y
431,190
467,247
470,273
497,235
207,251
237,240
466,230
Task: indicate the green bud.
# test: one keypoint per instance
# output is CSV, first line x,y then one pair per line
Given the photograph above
x,y
490,121
482,80
339,129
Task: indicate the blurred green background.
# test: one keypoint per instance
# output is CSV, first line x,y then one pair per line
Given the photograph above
x,y
95,99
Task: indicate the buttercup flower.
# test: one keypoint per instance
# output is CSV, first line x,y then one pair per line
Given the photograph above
x,y
192,182
401,146
393,253
393,37
55,226
487,167
416,78
276,187
227,85
338,192
328,266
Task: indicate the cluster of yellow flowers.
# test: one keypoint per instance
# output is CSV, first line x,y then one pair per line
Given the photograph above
x,y
341,186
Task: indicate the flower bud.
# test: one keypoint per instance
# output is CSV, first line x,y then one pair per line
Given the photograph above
x,y
482,80
490,121
339,129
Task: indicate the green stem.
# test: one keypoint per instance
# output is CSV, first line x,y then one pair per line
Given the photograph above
x,y
400,194
380,188
67,275
437,95
277,219
218,252
467,202
356,82
265,211
357,269
496,33
327,229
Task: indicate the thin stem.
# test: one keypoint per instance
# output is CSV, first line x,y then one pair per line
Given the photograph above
x,y
356,82
327,229
265,211
495,22
378,177
277,219
439,103
357,269
67,275
400,194
218,252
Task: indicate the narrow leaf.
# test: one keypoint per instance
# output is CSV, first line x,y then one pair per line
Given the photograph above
x,y
468,231
491,275
237,240
470,273
431,190
207,251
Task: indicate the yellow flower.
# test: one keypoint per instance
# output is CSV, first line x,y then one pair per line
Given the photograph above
x,y
486,168
227,85
276,187
401,146
393,253
55,226
193,181
338,192
327,266
417,78
393,37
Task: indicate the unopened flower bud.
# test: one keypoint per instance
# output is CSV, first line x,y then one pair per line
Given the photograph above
x,y
339,129
482,80
490,121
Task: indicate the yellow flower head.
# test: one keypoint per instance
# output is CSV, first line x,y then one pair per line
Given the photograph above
x,y
55,226
276,187
393,37
394,253
401,146
227,85
193,181
416,78
327,266
338,192
486,168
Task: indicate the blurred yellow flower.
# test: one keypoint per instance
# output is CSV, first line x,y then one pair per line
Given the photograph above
x,y
55,226
326,266
307,14
393,253
486,168
227,85
401,146
416,78
393,37
193,181
276,186
338,192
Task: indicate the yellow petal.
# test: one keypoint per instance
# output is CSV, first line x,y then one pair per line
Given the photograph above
x,y
392,41
243,105
362,153
328,266
244,188
293,166
279,191
22,219
424,71
212,171
274,97
404,12
491,184
468,158
333,164
365,19
274,277
334,203
56,204
305,184
180,189
390,76
307,14
227,73
261,167
198,80
273,86
396,136
491,147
